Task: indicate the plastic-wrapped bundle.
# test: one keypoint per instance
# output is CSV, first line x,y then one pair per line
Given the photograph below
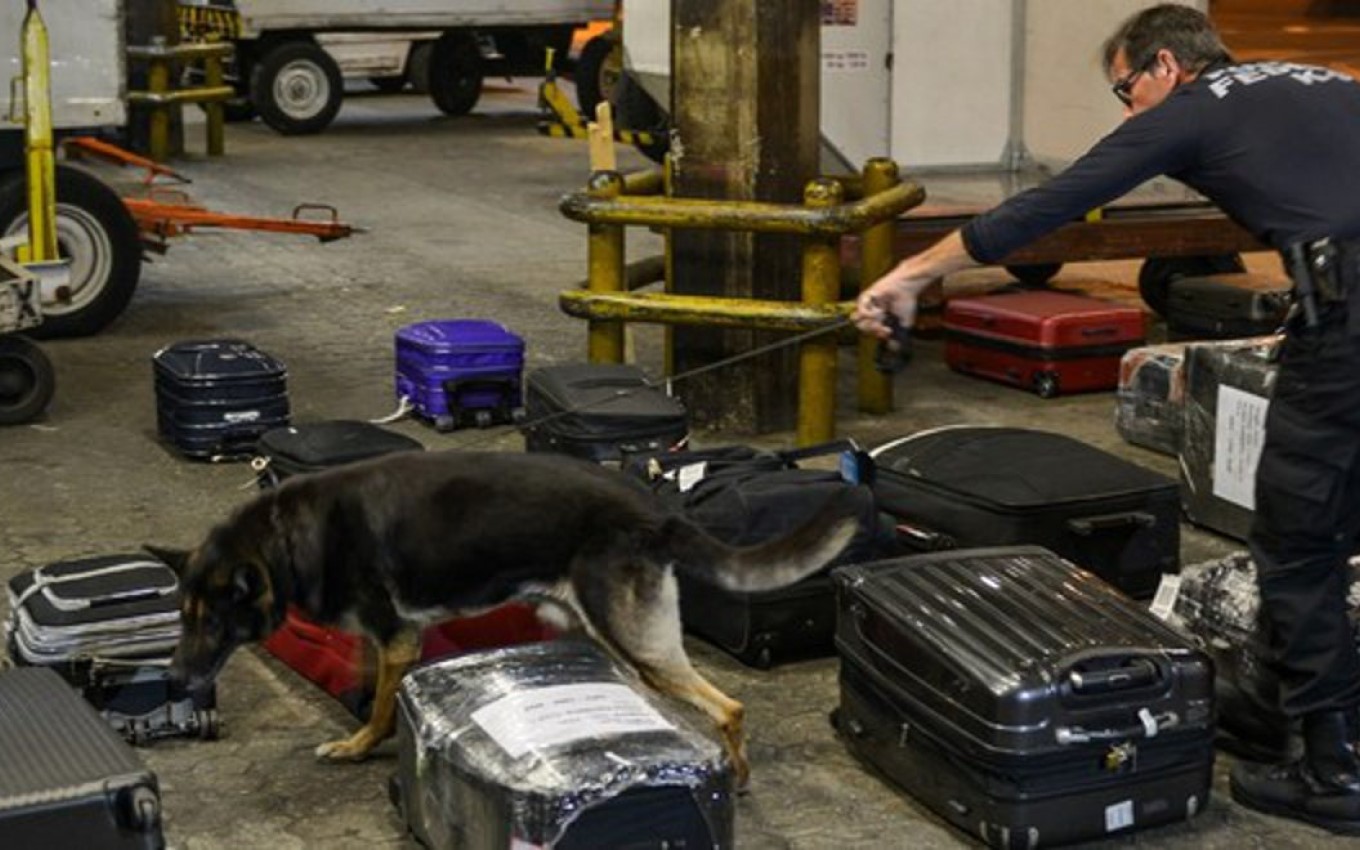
x,y
553,745
1150,402
1219,605
1228,386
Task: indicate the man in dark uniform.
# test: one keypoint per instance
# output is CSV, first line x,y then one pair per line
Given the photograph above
x,y
1277,147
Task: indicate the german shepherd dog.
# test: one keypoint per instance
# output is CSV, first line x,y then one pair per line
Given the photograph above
x,y
389,546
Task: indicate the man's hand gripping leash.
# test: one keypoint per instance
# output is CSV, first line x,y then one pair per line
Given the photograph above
x,y
894,353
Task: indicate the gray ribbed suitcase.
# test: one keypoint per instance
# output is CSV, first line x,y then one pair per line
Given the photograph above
x,y
1020,698
66,779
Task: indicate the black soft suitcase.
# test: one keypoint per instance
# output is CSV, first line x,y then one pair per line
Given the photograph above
x,y
214,398
314,446
982,486
1020,698
745,496
67,782
553,745
1224,307
108,625
600,412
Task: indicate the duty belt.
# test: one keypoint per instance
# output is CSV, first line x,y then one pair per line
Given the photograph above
x,y
1323,270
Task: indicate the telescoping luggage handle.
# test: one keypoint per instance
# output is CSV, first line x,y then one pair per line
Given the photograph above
x,y
1127,520
42,581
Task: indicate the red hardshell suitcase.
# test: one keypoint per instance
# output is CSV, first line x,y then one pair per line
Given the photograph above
x,y
335,661
1050,342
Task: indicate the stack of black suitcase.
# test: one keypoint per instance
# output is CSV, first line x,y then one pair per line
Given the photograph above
x,y
66,780
109,625
214,398
1020,698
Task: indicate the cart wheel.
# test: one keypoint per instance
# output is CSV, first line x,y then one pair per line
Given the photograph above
x,y
1046,384
206,720
297,88
518,415
1035,274
26,380
764,659
1157,273
97,234
445,423
455,75
482,418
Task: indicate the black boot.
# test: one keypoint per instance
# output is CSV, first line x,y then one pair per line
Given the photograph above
x,y
1322,788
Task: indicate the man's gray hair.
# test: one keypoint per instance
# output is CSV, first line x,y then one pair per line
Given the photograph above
x,y
1187,33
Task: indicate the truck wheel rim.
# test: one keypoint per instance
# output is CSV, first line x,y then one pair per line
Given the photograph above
x,y
84,241
301,89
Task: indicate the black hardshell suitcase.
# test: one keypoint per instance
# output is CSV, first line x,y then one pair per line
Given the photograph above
x,y
1020,698
600,412
1220,307
67,782
746,496
963,487
108,625
314,446
214,398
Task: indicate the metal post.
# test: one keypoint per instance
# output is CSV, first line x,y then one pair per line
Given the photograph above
x,y
212,77
40,160
875,389
158,82
817,357
605,258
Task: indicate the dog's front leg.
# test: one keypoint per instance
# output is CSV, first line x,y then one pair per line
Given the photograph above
x,y
394,659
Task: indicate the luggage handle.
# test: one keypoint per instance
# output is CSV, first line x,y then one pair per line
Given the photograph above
x,y
1138,673
1105,330
926,539
1149,725
1091,525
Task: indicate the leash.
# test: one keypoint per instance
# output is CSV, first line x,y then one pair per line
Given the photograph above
x,y
667,384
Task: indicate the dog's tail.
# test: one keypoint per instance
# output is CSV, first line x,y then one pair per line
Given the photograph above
x,y
765,566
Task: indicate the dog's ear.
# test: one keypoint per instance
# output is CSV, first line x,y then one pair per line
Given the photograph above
x,y
175,558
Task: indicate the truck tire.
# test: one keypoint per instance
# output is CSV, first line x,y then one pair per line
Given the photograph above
x,y
26,380
98,235
597,73
455,76
296,88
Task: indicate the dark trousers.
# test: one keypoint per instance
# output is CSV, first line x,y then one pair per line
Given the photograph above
x,y
1307,519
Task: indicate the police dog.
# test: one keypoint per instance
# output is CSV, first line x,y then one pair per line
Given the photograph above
x,y
386,547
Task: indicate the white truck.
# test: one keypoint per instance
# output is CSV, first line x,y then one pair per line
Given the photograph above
x,y
296,85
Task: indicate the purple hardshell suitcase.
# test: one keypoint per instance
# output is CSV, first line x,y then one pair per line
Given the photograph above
x,y
457,372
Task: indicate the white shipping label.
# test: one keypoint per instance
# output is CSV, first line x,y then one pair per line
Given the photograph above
x,y
691,474
560,714
1119,816
845,60
1167,592
1238,436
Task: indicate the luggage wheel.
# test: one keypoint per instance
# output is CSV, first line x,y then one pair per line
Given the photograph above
x,y
443,424
207,724
1046,384
482,419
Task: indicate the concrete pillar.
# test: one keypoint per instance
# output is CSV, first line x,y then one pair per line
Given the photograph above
x,y
744,108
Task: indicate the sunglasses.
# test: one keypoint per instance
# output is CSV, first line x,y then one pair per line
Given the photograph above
x,y
1123,87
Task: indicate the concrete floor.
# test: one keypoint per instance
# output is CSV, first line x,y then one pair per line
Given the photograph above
x,y
462,222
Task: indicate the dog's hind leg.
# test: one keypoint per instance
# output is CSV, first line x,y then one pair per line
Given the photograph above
x,y
638,615
394,659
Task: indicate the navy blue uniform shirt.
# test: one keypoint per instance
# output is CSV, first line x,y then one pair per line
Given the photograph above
x,y
1275,145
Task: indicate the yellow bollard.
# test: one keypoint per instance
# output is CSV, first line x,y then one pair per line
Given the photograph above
x,y
875,389
217,120
39,156
605,258
158,83
817,357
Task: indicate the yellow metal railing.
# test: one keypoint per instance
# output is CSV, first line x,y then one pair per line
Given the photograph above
x,y
613,202
162,62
